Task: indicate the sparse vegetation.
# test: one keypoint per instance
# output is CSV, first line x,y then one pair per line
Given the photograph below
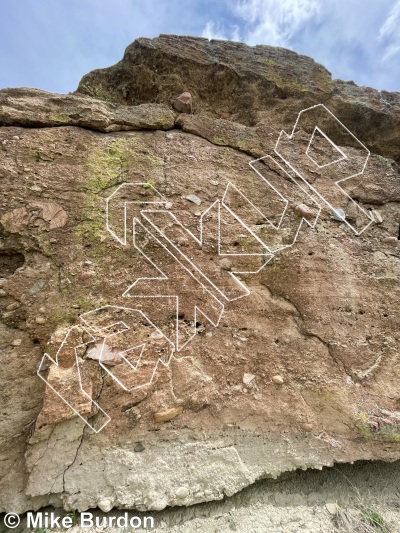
x,y
95,91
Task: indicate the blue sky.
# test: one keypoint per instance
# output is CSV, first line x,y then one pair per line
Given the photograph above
x,y
50,44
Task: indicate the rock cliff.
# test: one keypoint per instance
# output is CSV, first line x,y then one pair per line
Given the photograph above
x,y
177,323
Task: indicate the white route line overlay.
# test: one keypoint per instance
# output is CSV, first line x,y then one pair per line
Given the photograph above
x,y
314,190
177,254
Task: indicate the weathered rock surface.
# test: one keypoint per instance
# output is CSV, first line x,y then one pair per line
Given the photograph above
x,y
38,109
302,372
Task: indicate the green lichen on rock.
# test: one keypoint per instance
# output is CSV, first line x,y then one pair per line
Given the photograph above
x,y
95,91
383,433
106,168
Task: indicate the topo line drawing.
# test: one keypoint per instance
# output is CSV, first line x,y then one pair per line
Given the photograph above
x,y
296,158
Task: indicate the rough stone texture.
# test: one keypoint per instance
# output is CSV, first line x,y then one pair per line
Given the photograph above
x,y
38,109
323,315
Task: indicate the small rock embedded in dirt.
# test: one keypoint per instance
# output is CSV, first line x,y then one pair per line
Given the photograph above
x,y
16,342
156,335
85,275
2,293
37,286
182,492
139,447
331,508
339,215
248,378
158,505
168,414
214,182
13,306
193,198
36,188
105,505
183,103
390,240
304,211
278,379
40,320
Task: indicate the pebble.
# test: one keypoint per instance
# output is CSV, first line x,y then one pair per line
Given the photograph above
x,y
168,205
277,379
37,286
169,135
158,505
2,281
193,198
105,504
85,275
182,492
156,335
15,137
12,306
214,182
183,103
304,211
139,447
88,263
40,320
389,240
2,293
36,188
168,414
331,508
16,342
42,310
338,214
248,378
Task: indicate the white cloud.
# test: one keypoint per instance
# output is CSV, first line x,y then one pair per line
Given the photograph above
x,y
215,31
389,32
275,22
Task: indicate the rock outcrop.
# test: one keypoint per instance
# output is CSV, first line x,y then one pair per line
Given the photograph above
x,y
138,371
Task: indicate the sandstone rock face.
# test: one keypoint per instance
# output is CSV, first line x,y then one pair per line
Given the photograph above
x,y
162,351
